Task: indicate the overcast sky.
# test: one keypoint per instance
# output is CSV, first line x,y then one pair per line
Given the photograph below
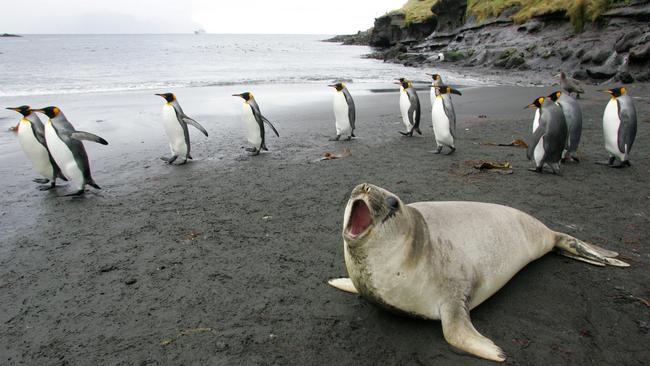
x,y
183,16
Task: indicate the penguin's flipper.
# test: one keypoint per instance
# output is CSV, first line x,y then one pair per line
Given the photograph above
x,y
627,128
539,133
196,125
81,135
352,113
448,107
270,125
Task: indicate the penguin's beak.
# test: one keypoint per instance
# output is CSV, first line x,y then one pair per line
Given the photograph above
x,y
38,110
238,95
12,109
332,86
606,91
452,90
530,106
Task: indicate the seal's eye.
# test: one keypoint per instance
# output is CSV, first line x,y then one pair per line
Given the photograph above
x,y
393,205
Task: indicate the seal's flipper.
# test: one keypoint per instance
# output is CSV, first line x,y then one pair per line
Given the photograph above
x,y
577,249
460,333
343,284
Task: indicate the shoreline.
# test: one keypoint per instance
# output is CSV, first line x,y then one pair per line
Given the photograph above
x,y
225,260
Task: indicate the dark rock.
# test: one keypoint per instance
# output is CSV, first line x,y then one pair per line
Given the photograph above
x,y
450,14
532,26
391,29
596,56
643,76
130,281
394,52
606,71
580,75
9,35
625,77
627,40
640,12
361,38
640,53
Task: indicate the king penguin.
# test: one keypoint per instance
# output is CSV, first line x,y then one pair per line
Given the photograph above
x,y
573,117
64,143
619,127
549,138
254,122
443,118
435,82
176,121
31,135
344,112
409,105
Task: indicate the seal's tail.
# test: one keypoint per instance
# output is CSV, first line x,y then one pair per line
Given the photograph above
x,y
577,249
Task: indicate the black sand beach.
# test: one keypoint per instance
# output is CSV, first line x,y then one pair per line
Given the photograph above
x,y
225,260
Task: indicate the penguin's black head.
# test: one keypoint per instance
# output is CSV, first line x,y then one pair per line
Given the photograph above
x,y
246,96
50,112
555,95
616,92
537,103
403,82
23,109
169,97
338,86
444,89
435,77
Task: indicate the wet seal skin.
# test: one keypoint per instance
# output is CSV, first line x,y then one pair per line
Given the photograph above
x,y
439,260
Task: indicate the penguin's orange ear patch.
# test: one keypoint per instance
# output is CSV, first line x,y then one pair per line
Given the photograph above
x,y
56,110
541,100
623,90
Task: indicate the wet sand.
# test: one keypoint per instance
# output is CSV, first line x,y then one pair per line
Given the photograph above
x,y
225,260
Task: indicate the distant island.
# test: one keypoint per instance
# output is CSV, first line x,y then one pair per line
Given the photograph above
x,y
9,35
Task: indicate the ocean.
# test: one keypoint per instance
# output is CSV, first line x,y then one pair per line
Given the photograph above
x,y
67,64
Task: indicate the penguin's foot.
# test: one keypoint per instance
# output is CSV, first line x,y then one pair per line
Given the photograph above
x,y
250,149
254,151
409,134
349,138
182,162
47,188
437,150
451,151
609,162
622,164
41,180
76,194
335,138
169,160
536,170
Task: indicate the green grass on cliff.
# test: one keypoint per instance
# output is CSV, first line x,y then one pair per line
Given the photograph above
x,y
579,11
416,11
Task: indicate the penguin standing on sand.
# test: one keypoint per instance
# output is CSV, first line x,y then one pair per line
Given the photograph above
x,y
550,136
64,143
573,116
344,112
619,127
409,105
443,118
31,135
254,122
176,121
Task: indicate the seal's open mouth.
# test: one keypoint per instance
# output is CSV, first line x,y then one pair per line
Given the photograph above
x,y
360,219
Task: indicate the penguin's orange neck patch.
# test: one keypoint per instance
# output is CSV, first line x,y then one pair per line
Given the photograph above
x,y
24,120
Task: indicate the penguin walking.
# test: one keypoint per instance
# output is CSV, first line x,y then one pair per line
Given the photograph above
x,y
175,122
573,116
31,135
65,144
570,85
443,118
619,127
409,105
549,139
254,122
344,112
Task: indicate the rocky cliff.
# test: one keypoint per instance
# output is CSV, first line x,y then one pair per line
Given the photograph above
x,y
614,45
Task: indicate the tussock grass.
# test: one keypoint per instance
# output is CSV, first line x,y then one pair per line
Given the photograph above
x,y
416,11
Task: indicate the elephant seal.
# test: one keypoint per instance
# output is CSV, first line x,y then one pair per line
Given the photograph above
x,y
439,260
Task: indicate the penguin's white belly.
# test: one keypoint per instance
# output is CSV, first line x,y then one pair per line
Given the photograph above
x,y
63,157
174,132
253,133
404,106
341,114
432,96
536,120
539,152
35,152
441,126
611,124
